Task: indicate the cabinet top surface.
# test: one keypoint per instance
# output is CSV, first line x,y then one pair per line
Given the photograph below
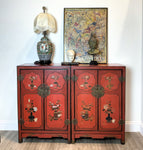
x,y
80,65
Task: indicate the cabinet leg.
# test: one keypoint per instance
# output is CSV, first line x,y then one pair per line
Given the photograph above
x,y
20,140
122,142
73,141
69,141
123,139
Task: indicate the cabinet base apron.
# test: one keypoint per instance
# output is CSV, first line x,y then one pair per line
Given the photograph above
x,y
27,134
97,136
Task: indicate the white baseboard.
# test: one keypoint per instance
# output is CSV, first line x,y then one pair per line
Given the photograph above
x,y
8,125
141,129
132,126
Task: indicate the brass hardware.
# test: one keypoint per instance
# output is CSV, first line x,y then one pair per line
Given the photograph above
x,y
74,121
21,121
121,122
67,122
74,78
121,79
44,90
66,78
98,91
20,77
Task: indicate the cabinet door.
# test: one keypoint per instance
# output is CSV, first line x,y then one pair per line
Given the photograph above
x,y
84,104
31,102
110,102
56,103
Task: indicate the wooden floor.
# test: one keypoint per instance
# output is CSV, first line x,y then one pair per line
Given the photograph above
x,y
134,141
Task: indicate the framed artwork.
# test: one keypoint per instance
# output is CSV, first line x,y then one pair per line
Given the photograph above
x,y
79,25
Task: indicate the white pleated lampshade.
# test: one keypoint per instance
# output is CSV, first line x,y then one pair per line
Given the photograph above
x,y
44,22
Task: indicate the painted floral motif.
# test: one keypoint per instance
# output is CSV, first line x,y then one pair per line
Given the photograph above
x,y
109,78
55,81
55,109
32,78
108,110
86,81
31,81
110,81
31,109
85,112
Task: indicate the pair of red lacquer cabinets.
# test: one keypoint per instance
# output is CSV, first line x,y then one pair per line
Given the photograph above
x,y
71,101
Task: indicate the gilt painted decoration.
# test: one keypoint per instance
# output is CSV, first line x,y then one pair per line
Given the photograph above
x,y
79,24
109,108
55,111
55,108
31,81
86,81
32,110
55,81
110,81
86,111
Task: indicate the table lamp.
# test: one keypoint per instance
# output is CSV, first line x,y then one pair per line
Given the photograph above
x,y
44,23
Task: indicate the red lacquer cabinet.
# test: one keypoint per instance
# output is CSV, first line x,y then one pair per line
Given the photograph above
x,y
98,102
43,101
71,101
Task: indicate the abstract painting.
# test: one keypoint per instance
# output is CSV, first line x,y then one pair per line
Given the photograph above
x,y
79,24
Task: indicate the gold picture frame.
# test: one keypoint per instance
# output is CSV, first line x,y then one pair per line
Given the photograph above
x,y
79,23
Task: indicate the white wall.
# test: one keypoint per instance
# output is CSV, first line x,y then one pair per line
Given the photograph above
x,y
18,46
142,79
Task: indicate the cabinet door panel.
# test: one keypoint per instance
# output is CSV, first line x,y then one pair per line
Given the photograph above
x,y
110,103
56,112
85,111
32,111
32,103
32,79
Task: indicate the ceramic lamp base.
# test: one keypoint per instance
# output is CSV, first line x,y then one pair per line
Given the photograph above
x,y
41,62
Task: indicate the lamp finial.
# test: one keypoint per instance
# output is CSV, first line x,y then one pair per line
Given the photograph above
x,y
44,9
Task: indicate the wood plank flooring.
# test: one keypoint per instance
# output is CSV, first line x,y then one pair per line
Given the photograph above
x,y
134,141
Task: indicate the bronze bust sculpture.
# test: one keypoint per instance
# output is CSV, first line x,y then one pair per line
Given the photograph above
x,y
93,45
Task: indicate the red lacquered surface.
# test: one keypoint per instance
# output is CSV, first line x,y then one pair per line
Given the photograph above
x,y
32,111
109,109
71,89
43,117
55,112
110,103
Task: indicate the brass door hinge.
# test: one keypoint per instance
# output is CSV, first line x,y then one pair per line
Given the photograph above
x,y
121,79
20,77
74,78
67,122
74,121
66,78
21,121
121,122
